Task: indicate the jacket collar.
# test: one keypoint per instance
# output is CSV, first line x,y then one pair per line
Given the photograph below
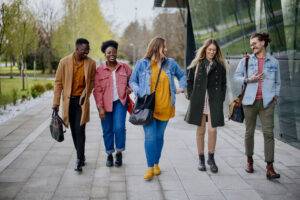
x,y
268,56
148,62
206,63
107,68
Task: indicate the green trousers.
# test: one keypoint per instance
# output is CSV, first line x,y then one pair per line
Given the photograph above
x,y
266,116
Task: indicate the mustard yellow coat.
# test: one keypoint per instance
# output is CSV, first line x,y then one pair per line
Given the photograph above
x,y
63,86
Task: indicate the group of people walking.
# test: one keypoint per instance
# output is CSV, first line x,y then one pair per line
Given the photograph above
x,y
204,83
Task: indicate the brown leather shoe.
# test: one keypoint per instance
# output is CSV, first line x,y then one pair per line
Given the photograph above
x,y
249,167
271,174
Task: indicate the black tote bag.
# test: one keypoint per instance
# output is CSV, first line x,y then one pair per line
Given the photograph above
x,y
57,127
142,113
236,111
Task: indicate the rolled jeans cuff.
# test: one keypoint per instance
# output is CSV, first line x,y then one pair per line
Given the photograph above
x,y
119,150
110,151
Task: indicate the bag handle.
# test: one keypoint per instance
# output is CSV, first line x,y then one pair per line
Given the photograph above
x,y
55,114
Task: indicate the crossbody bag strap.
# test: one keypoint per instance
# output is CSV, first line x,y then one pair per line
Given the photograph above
x,y
246,75
157,78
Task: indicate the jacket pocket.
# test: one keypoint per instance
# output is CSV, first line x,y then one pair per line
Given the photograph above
x,y
104,81
123,79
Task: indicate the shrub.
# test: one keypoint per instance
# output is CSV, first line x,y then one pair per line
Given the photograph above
x,y
4,100
14,95
37,90
25,95
48,86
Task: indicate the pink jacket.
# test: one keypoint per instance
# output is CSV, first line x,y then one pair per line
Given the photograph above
x,y
103,87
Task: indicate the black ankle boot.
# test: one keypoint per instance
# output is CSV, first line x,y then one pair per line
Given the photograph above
x,y
110,161
202,166
118,162
211,162
78,165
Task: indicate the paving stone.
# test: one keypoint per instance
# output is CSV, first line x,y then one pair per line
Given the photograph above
x,y
117,177
267,187
71,178
73,192
48,184
197,186
8,190
34,196
174,185
117,186
286,196
15,175
48,171
117,196
137,184
216,196
99,192
8,143
175,195
55,160
230,182
241,194
149,195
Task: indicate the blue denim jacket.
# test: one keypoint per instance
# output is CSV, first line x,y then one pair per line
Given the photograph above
x,y
271,79
140,77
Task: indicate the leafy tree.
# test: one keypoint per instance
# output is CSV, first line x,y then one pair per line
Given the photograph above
x,y
134,40
174,34
18,31
83,18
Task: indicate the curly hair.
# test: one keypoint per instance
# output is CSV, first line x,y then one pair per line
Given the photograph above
x,y
262,37
109,43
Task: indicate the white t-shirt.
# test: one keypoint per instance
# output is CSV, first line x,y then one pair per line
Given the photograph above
x,y
115,90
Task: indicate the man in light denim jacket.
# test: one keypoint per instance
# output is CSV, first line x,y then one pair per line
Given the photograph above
x,y
261,94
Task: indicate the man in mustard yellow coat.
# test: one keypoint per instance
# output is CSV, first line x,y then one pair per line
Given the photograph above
x,y
74,81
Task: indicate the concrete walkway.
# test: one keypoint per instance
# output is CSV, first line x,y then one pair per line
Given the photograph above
x,y
34,166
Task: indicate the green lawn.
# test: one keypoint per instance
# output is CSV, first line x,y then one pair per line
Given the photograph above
x,y
11,89
6,71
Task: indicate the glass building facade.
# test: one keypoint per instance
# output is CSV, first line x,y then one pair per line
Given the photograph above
x,y
231,22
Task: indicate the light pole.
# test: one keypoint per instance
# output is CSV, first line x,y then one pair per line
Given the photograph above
x,y
133,52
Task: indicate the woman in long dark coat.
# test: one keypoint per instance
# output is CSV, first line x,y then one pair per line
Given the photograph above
x,y
206,89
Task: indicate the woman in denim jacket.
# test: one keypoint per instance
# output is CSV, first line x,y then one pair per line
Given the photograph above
x,y
142,82
261,94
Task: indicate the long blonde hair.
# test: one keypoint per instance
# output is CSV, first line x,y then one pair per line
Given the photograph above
x,y
153,48
201,54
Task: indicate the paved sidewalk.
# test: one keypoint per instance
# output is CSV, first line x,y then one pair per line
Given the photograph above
x,y
33,166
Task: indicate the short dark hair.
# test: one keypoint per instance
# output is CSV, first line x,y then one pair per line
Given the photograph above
x,y
80,41
262,37
109,43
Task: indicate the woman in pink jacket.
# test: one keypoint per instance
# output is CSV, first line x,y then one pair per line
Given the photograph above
x,y
111,96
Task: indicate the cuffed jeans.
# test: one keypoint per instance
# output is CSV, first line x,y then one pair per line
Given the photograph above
x,y
113,126
154,140
266,116
77,130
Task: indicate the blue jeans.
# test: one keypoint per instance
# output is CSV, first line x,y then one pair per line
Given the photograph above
x,y
113,127
154,140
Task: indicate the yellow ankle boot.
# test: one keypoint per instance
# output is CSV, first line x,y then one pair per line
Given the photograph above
x,y
156,170
149,174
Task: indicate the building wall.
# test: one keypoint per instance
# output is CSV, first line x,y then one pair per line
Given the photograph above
x,y
232,21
